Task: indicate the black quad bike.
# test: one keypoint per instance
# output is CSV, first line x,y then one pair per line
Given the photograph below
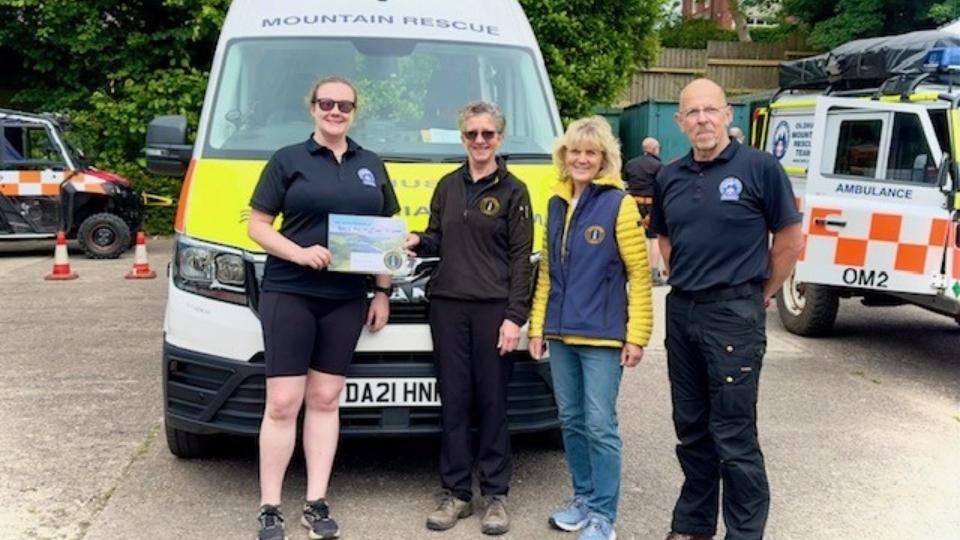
x,y
46,185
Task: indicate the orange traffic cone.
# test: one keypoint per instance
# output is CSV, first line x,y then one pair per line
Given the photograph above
x,y
141,268
61,262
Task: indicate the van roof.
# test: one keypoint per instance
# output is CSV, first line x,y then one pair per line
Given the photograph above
x,y
481,21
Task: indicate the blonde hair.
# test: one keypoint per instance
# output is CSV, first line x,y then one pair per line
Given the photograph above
x,y
328,80
590,132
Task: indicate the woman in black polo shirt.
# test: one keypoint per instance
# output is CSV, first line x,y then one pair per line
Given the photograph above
x,y
312,318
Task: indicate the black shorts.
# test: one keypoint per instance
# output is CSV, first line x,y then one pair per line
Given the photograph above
x,y
644,212
301,332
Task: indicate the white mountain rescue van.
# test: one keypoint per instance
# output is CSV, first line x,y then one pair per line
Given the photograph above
x,y
871,152
415,64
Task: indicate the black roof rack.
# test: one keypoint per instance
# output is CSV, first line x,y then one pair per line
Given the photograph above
x,y
865,63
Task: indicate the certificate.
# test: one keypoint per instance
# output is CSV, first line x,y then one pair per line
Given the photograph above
x,y
367,245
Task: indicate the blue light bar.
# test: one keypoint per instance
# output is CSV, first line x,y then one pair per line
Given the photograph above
x,y
942,60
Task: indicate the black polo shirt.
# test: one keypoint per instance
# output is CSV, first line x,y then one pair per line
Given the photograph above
x,y
474,188
718,216
305,184
639,173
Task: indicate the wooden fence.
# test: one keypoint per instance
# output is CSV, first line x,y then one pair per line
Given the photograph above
x,y
740,68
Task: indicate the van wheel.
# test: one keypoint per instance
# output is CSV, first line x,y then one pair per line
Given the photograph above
x,y
104,236
806,309
186,445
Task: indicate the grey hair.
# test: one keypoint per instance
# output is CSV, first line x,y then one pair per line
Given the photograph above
x,y
477,108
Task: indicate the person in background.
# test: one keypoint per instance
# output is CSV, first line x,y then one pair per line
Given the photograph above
x,y
481,226
639,174
593,311
737,134
312,318
721,283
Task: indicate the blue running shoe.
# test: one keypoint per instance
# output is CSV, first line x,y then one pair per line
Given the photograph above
x,y
271,523
598,528
573,517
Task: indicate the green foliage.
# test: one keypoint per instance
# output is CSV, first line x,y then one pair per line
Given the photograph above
x,y
592,47
945,12
834,22
396,98
694,34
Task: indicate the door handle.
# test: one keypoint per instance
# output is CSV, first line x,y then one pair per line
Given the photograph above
x,y
831,222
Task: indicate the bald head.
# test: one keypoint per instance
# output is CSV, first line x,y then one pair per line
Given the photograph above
x,y
702,89
703,116
650,146
736,133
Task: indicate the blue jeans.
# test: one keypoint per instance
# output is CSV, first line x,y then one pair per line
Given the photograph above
x,y
586,381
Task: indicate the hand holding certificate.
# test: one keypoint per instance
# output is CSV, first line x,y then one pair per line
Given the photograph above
x,y
367,245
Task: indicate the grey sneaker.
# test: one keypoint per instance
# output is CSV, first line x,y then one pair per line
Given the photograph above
x,y
450,510
316,517
271,523
495,517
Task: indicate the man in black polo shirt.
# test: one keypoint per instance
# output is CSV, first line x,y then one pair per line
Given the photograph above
x,y
638,175
713,211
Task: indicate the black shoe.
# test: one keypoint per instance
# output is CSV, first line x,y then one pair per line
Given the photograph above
x,y
271,523
316,517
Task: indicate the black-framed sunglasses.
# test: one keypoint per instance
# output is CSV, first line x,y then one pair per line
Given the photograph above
x,y
326,104
486,134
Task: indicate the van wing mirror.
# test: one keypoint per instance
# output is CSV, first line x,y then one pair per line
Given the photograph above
x,y
168,153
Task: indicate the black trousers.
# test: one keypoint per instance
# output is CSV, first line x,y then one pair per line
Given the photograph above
x,y
715,346
473,377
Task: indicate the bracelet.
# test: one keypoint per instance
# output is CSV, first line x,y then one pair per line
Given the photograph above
x,y
385,290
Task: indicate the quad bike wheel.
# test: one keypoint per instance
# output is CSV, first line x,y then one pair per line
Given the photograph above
x,y
104,236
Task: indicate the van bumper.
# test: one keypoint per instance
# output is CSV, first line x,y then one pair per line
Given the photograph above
x,y
206,394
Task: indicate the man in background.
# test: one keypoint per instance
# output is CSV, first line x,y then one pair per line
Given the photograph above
x,y
639,174
737,133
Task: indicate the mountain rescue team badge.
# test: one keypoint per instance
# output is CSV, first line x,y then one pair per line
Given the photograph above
x,y
594,234
490,206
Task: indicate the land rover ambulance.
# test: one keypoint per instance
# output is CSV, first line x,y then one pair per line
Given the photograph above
x,y
415,64
869,134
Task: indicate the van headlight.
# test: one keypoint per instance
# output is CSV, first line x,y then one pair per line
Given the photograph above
x,y
209,270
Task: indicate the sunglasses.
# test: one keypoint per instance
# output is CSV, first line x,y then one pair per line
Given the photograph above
x,y
485,134
327,104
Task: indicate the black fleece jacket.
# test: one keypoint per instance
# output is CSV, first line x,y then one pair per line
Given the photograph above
x,y
484,244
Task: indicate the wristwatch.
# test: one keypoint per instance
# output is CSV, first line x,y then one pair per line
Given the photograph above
x,y
385,290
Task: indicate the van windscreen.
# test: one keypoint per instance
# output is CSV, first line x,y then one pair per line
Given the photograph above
x,y
409,95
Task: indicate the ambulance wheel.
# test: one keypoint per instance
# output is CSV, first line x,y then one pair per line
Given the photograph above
x,y
104,236
186,445
806,309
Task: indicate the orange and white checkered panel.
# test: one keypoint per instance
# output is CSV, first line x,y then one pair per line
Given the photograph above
x,y
30,183
88,184
884,241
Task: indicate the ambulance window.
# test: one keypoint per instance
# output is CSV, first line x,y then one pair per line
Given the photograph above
x,y
941,127
857,147
910,159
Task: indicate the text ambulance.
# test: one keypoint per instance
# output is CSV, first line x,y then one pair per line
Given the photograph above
x,y
415,64
869,134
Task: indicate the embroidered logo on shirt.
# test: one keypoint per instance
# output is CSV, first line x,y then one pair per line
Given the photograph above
x,y
730,189
594,234
367,177
489,206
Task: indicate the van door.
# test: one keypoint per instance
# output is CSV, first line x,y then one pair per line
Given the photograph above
x,y
874,215
31,171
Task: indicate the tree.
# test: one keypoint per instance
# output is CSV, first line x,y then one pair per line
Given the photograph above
x,y
834,22
736,8
593,47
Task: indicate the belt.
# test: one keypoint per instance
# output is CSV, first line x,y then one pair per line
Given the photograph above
x,y
643,200
719,294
